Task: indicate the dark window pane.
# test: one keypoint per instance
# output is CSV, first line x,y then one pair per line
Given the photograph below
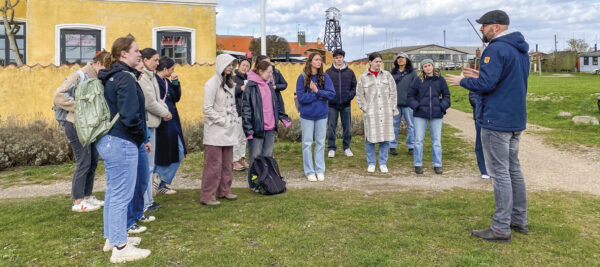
x,y
88,40
72,40
72,52
88,52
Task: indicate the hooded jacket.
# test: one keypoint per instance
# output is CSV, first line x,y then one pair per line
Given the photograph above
x,y
280,85
156,108
253,121
404,80
314,106
502,83
124,96
344,83
239,79
430,98
220,114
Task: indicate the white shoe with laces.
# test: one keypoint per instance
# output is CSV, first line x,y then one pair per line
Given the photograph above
x,y
371,168
331,154
84,206
485,176
320,177
311,178
383,168
348,152
134,241
128,253
95,201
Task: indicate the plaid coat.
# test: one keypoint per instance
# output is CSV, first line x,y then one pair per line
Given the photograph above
x,y
376,97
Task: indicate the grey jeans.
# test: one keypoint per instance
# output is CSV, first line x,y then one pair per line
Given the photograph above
x,y
501,153
86,161
260,147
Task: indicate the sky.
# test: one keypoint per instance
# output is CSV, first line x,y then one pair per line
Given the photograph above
x,y
368,25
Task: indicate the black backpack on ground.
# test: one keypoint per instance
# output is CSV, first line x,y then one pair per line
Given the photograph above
x,y
266,176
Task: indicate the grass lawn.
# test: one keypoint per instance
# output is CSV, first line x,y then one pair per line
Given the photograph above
x,y
312,227
547,96
457,154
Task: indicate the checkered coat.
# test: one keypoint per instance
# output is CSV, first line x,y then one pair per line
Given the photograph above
x,y
376,97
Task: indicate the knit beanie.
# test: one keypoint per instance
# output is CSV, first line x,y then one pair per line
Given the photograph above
x,y
425,61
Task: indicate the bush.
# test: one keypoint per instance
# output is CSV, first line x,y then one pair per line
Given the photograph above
x,y
36,143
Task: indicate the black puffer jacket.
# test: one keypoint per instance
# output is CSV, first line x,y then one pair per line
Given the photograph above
x,y
239,79
252,110
280,85
430,98
344,83
404,80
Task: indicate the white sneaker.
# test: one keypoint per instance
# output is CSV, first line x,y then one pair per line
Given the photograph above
x,y
383,168
331,154
136,229
311,178
128,253
485,176
371,168
134,241
320,177
84,206
95,201
348,152
146,219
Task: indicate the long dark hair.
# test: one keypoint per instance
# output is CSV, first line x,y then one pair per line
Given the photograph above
x,y
409,67
227,79
308,71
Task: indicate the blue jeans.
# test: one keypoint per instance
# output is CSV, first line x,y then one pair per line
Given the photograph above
x,y
121,162
435,131
479,150
383,152
135,211
316,129
501,150
148,199
407,113
332,119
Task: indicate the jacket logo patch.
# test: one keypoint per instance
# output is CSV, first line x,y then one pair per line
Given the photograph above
x,y
486,60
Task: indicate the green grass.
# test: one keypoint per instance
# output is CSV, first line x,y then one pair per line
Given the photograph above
x,y
312,227
457,154
547,96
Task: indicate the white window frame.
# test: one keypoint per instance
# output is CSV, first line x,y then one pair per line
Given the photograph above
x,y
59,27
192,32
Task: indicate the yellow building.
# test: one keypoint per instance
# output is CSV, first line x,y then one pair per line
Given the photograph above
x,y
71,31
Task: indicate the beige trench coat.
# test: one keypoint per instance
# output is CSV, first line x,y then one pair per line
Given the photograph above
x,y
220,115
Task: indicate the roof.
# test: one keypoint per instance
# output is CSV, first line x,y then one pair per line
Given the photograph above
x,y
471,50
590,54
407,49
296,48
237,43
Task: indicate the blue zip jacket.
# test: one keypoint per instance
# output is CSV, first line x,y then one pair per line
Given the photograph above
x,y
344,83
502,84
314,106
124,96
429,99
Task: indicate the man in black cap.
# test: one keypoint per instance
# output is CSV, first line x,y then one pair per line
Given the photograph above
x,y
501,84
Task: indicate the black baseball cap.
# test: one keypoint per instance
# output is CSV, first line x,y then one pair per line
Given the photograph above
x,y
339,51
494,17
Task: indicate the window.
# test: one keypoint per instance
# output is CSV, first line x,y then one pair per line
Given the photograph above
x,y
176,45
78,46
594,60
586,61
6,56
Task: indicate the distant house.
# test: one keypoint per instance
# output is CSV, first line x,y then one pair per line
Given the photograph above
x,y
236,45
444,57
588,62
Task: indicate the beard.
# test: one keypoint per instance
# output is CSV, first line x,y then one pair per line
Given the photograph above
x,y
487,36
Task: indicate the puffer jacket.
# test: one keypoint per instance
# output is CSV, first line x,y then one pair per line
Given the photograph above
x,y
155,107
404,80
429,99
220,115
344,83
252,110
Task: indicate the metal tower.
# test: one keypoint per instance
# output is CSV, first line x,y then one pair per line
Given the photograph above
x,y
333,37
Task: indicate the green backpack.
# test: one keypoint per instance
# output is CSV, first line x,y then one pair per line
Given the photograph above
x,y
92,115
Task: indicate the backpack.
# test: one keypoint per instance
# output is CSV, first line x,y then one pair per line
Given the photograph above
x,y
92,115
266,176
60,114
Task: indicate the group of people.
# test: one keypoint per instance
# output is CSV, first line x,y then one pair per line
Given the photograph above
x,y
243,109
141,152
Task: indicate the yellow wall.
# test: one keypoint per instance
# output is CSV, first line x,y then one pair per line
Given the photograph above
x,y
26,92
119,18
20,9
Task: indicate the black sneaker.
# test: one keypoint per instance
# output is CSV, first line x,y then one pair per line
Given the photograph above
x,y
419,169
523,229
411,151
438,170
393,151
489,235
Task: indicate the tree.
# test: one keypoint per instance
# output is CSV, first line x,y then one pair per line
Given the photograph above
x,y
275,45
578,45
11,27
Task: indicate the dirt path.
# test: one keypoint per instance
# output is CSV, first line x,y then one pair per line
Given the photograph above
x,y
544,167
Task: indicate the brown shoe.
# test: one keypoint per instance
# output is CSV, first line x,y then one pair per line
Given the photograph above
x,y
237,166
211,203
243,162
230,196
489,235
